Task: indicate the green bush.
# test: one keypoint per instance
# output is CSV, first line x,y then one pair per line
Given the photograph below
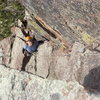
x,y
10,12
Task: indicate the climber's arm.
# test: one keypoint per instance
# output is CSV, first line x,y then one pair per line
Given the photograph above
x,y
24,49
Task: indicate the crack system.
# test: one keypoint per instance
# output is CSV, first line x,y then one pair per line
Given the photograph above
x,y
35,67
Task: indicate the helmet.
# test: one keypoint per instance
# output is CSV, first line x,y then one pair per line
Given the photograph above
x,y
28,38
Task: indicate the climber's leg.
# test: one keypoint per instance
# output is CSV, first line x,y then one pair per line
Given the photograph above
x,y
25,61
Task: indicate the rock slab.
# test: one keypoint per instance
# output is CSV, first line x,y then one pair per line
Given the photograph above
x,y
16,85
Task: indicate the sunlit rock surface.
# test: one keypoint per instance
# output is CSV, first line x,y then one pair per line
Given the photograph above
x,y
75,19
52,72
15,85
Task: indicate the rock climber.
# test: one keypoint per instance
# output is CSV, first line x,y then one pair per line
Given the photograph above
x,y
31,46
28,49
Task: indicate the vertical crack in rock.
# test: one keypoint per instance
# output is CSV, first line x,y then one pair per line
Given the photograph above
x,y
11,46
35,67
48,72
13,81
1,55
51,62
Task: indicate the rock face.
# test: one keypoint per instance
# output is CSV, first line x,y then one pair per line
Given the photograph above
x,y
17,57
54,64
76,20
5,50
57,70
49,63
15,85
44,60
